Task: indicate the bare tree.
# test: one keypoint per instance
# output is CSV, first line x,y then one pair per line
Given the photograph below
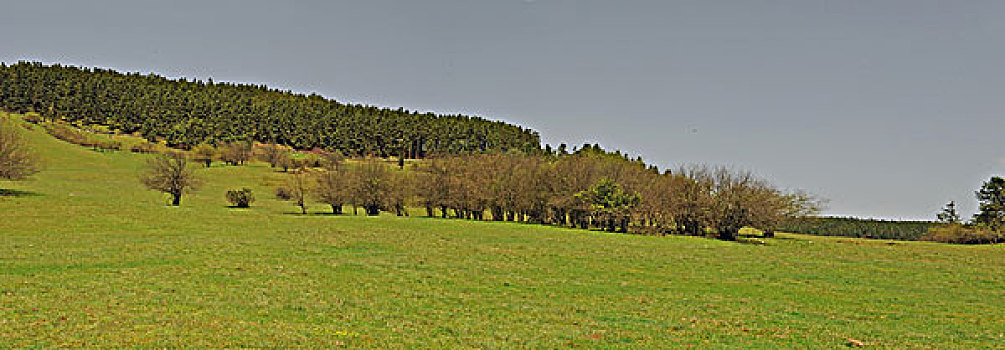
x,y
332,186
276,156
17,160
236,153
170,174
400,192
298,185
370,186
432,186
204,153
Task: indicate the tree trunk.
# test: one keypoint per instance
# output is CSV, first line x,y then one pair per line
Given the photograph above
x,y
176,199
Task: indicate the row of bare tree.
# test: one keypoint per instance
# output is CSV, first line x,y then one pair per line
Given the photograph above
x,y
586,190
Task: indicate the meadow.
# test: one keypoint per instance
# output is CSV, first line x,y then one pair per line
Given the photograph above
x,y
90,258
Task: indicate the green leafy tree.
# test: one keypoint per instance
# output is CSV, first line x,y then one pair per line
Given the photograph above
x,y
991,200
609,204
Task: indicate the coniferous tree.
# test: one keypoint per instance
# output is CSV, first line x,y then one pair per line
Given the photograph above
x,y
991,200
949,214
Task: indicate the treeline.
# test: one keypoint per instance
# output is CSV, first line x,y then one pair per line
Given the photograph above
x,y
861,228
186,113
587,189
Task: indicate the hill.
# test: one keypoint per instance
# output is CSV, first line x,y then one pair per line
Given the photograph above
x,y
186,113
91,259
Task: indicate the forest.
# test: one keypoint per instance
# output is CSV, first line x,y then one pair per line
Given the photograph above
x,y
861,228
184,113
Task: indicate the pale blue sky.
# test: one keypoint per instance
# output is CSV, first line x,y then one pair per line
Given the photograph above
x,y
888,108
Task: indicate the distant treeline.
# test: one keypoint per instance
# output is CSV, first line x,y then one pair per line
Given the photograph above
x,y
862,228
186,113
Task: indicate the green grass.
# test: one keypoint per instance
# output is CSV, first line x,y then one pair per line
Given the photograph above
x,y
91,259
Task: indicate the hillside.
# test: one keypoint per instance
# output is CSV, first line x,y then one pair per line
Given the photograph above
x,y
91,259
186,113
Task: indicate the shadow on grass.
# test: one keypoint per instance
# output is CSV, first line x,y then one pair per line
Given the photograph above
x,y
322,214
755,240
18,193
316,213
781,238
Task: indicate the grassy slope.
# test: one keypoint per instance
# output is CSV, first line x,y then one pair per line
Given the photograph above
x,y
89,258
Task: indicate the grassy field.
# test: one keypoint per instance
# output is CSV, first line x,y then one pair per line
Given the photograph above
x,y
91,259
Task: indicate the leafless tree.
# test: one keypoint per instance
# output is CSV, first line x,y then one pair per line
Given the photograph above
x,y
17,160
170,174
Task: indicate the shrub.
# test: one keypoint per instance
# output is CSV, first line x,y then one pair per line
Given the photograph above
x,y
143,147
33,118
315,161
283,193
108,145
959,234
68,134
240,198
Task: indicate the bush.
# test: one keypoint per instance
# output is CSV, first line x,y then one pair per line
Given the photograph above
x,y
313,161
143,147
283,193
240,198
959,234
107,145
33,118
68,134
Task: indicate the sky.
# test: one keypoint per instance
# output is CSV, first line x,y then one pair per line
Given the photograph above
x,y
888,109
